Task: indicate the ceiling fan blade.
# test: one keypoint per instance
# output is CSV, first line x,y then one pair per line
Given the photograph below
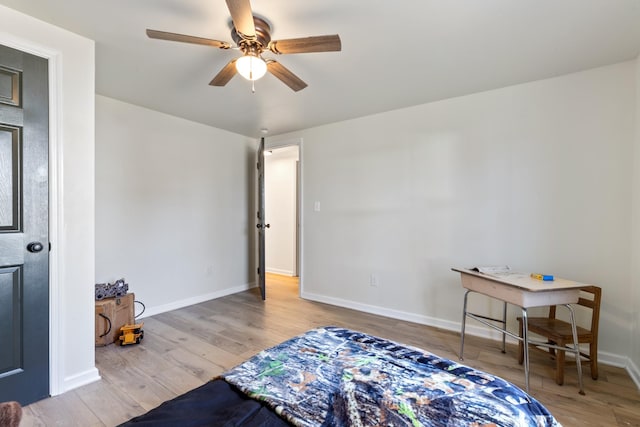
x,y
163,35
329,43
226,74
285,76
242,17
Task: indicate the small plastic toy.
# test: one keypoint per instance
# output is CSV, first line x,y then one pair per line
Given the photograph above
x,y
545,277
131,334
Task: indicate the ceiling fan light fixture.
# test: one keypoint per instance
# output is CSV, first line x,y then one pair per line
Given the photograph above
x,y
251,67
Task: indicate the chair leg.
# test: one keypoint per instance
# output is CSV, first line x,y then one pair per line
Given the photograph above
x,y
593,358
560,367
552,351
520,344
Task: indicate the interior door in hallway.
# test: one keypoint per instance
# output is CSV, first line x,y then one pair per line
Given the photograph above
x,y
24,240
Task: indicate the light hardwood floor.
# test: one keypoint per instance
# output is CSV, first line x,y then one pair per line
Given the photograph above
x,y
184,348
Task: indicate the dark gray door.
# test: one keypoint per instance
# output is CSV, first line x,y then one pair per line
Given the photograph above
x,y
261,225
24,240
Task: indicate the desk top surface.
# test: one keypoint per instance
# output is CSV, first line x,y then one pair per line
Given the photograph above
x,y
523,280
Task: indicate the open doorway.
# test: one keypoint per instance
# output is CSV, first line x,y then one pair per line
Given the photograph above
x,y
282,210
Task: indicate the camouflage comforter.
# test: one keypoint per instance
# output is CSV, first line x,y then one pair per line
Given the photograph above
x,y
337,377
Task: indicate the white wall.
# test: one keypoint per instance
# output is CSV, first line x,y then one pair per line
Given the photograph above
x,y
635,265
173,200
71,128
537,176
280,210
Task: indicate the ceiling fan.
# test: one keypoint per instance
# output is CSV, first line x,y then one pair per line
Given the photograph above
x,y
252,37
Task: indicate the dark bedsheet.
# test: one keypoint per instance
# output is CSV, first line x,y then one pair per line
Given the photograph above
x,y
215,403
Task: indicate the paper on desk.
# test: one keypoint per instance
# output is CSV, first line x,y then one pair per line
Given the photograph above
x,y
492,269
502,271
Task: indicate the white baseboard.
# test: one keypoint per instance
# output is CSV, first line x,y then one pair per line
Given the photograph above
x,y
381,311
279,271
634,372
78,380
480,331
151,311
613,359
406,316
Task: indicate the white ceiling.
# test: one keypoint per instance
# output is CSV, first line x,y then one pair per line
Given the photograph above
x,y
394,53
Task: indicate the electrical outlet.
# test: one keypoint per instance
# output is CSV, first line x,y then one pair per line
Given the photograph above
x,y
373,280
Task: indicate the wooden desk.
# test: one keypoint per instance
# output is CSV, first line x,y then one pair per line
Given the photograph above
x,y
525,292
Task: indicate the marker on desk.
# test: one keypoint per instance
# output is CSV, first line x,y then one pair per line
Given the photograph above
x,y
545,277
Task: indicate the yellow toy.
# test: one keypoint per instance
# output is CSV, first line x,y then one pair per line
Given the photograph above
x,y
131,334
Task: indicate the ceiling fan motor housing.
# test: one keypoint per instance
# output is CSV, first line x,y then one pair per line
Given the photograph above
x,y
261,41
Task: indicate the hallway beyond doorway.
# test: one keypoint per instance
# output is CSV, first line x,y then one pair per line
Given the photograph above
x,y
289,283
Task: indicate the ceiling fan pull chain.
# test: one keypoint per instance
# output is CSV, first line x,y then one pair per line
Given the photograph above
x,y
253,86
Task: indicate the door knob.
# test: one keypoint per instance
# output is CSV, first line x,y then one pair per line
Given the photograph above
x,y
35,247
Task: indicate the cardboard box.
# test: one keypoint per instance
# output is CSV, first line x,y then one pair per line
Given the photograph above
x,y
111,315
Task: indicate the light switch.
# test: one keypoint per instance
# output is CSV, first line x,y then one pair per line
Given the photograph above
x,y
316,206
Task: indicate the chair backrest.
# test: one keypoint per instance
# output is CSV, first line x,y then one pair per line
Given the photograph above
x,y
593,303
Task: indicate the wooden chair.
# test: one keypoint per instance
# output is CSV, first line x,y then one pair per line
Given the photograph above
x,y
558,332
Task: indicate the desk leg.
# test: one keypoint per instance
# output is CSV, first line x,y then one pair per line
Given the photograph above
x,y
504,327
525,343
464,322
576,347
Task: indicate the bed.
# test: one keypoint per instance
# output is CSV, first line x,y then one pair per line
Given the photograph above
x,y
333,376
